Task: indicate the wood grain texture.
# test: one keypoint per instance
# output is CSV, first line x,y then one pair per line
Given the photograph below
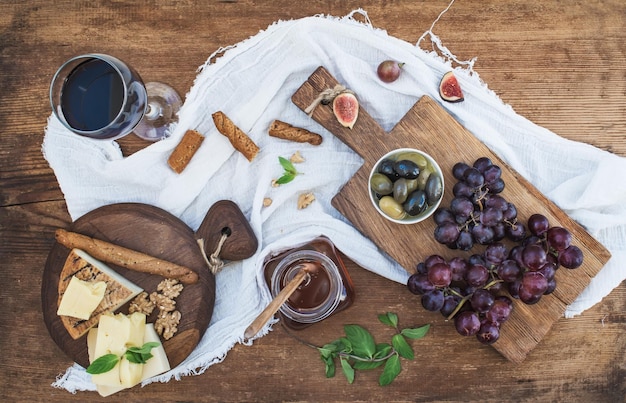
x,y
559,64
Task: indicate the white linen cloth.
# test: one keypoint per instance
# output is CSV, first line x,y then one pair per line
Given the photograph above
x,y
252,83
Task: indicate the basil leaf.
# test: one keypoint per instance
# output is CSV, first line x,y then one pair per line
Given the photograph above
x,y
384,319
287,165
362,341
329,365
140,355
348,371
328,350
382,350
367,364
389,319
402,347
103,364
416,333
391,370
344,345
286,178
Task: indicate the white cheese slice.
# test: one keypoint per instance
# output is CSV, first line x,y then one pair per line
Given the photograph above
x,y
81,298
119,290
156,365
159,363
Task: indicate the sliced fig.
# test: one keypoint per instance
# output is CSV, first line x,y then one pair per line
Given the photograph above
x,y
449,88
346,109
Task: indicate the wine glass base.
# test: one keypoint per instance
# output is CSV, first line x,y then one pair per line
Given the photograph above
x,y
163,106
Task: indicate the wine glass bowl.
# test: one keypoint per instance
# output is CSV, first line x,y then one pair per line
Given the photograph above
x,y
101,97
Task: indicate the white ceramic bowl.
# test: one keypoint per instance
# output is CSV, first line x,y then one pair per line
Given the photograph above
x,y
406,219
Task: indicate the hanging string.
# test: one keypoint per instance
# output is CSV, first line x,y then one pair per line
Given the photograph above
x,y
214,261
324,97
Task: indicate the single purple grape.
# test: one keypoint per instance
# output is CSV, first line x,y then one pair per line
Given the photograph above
x,y
467,323
440,275
419,284
488,333
477,275
538,224
433,300
571,257
482,300
558,238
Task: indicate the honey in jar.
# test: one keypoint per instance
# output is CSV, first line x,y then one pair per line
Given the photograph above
x,y
325,290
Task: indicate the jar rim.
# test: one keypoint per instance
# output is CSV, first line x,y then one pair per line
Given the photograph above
x,y
333,299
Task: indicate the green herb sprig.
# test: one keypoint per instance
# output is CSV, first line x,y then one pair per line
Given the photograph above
x,y
290,171
359,351
137,355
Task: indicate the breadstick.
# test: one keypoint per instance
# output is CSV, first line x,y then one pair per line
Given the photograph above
x,y
237,137
183,152
124,257
286,131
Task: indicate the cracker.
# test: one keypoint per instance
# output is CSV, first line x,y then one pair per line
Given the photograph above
x,y
185,150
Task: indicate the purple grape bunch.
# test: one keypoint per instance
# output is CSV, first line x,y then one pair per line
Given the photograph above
x,y
477,292
477,214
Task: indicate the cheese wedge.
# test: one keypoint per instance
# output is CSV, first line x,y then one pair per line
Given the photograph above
x,y
81,298
84,267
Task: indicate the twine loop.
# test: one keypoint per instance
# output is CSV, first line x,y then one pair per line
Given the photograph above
x,y
325,97
214,262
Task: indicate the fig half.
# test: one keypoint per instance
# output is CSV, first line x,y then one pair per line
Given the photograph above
x,y
346,109
449,88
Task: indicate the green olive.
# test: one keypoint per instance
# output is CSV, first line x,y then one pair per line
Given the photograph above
x,y
391,207
417,158
423,178
381,184
411,185
400,190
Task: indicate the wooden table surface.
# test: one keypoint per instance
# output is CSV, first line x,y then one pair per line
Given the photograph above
x,y
560,64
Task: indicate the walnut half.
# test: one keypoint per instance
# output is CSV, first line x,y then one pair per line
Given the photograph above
x,y
170,288
141,303
305,199
166,324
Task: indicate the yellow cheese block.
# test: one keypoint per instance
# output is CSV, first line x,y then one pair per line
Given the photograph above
x,y
125,374
81,298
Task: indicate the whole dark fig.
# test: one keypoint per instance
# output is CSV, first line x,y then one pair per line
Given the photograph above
x,y
389,70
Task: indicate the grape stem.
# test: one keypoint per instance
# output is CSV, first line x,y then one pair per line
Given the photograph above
x,y
459,305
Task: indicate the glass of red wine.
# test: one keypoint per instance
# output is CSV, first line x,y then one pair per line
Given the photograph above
x,y
101,97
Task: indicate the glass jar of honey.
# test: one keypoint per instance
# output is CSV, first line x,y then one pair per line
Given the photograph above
x,y
327,288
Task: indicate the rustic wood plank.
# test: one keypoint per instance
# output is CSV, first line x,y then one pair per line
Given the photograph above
x,y
558,64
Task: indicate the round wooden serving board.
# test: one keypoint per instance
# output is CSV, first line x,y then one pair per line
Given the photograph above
x,y
153,231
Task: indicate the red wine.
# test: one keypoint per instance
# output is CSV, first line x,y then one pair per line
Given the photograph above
x,y
92,95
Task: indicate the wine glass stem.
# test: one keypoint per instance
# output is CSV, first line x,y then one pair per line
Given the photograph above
x,y
154,111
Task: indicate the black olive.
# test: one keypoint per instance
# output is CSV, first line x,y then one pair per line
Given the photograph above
x,y
406,169
415,203
386,168
433,189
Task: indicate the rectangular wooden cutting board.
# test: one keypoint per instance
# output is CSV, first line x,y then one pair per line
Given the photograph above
x,y
429,127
